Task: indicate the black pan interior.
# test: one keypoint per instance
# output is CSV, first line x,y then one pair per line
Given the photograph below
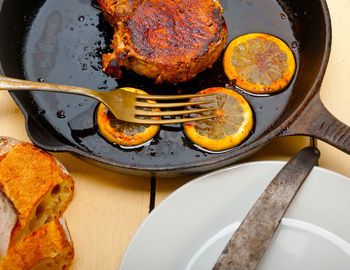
x,y
62,42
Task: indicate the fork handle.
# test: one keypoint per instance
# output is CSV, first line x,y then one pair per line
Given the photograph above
x,y
7,83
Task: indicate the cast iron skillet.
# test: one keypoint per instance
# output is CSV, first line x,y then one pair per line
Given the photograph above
x,y
62,41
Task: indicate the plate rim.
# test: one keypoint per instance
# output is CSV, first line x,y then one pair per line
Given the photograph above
x,y
200,178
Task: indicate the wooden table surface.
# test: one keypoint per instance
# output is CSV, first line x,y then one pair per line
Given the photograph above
x,y
108,207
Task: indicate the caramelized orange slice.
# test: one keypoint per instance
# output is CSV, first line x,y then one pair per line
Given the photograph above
x,y
121,132
259,63
232,122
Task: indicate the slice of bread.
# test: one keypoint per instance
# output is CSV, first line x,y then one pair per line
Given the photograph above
x,y
47,248
38,186
8,220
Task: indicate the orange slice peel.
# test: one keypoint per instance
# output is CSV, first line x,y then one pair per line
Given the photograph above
x,y
259,63
232,123
121,132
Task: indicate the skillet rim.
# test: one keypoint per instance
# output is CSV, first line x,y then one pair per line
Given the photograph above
x,y
217,161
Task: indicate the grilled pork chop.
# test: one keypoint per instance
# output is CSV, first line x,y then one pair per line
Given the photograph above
x,y
167,40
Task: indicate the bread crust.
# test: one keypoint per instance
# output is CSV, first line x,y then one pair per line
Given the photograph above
x,y
27,175
48,247
6,143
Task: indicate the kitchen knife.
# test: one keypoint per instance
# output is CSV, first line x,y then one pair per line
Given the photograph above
x,y
248,244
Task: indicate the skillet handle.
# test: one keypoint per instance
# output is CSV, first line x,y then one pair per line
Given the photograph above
x,y
315,120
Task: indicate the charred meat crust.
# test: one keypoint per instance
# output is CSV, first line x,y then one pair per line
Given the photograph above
x,y
118,10
162,32
168,40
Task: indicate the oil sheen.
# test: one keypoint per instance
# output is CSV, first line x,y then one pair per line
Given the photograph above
x,y
64,45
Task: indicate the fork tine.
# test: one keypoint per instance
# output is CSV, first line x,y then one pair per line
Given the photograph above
x,y
132,104
172,97
171,105
171,121
171,113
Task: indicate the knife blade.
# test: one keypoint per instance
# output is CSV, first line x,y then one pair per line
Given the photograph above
x,y
248,244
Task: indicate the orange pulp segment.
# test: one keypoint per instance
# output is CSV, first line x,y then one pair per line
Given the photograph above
x,y
259,63
232,123
121,132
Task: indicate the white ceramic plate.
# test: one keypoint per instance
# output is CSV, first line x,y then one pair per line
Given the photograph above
x,y
189,229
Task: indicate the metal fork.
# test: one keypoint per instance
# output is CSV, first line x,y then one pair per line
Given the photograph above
x,y
125,105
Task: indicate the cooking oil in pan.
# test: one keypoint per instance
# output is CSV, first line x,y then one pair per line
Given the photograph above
x,y
64,45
